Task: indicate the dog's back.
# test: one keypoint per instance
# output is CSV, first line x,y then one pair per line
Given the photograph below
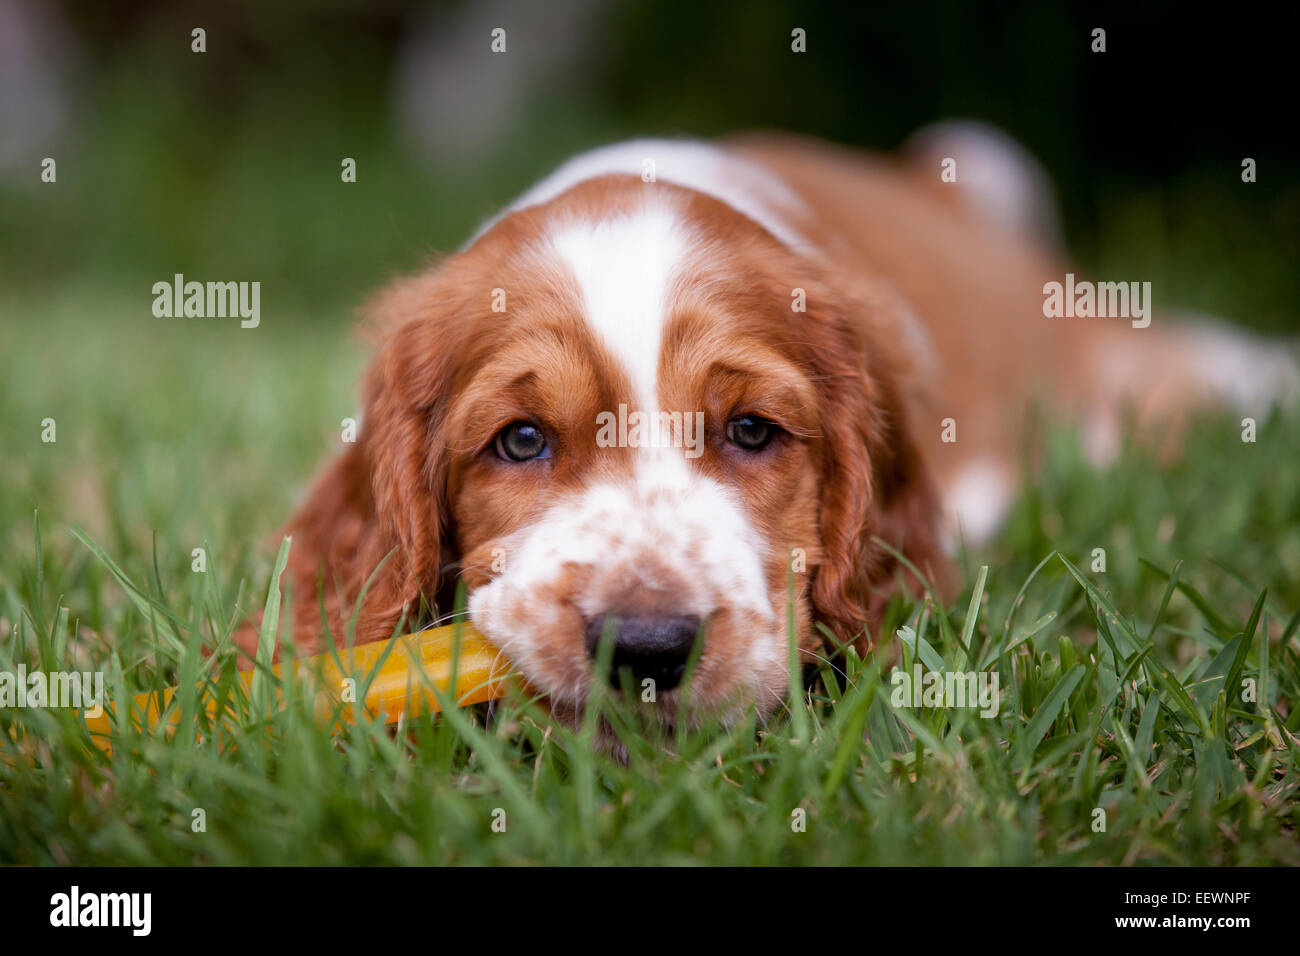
x,y
965,264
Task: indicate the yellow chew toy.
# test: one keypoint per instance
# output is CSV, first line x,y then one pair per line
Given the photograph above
x,y
397,688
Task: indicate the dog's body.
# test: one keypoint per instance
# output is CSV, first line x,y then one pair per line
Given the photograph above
x,y
965,265
859,339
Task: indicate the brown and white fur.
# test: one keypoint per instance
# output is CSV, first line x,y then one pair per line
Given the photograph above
x,y
917,301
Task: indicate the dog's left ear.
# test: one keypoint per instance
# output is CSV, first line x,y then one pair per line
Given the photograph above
x,y
377,519
875,480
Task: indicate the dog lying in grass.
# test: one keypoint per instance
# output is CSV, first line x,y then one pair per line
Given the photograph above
x,y
691,397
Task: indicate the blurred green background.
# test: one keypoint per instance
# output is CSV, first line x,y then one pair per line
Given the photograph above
x,y
226,164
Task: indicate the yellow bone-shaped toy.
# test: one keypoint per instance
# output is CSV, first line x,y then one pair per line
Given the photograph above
x,y
397,688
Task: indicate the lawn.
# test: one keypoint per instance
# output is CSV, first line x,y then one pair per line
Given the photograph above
x,y
1149,711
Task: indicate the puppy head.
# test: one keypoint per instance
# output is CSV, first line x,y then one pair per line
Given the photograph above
x,y
629,412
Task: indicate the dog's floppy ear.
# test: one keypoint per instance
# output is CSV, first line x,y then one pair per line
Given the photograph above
x,y
380,508
875,482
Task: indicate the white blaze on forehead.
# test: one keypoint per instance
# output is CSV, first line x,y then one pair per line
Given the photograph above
x,y
625,267
746,187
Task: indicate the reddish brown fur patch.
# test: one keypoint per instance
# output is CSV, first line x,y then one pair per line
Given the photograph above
x,y
832,376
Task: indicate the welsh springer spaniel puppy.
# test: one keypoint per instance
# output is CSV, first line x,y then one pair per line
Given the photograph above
x,y
683,391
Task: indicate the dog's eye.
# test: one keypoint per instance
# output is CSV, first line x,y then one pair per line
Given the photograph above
x,y
522,441
751,432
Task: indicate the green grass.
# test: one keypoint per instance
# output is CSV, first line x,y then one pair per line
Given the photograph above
x,y
1120,691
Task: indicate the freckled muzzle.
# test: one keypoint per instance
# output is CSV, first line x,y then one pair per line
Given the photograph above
x,y
654,648
661,562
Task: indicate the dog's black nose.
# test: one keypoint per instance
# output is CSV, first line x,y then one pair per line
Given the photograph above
x,y
650,647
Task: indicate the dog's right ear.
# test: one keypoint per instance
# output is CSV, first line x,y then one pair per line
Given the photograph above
x,y
876,482
380,508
